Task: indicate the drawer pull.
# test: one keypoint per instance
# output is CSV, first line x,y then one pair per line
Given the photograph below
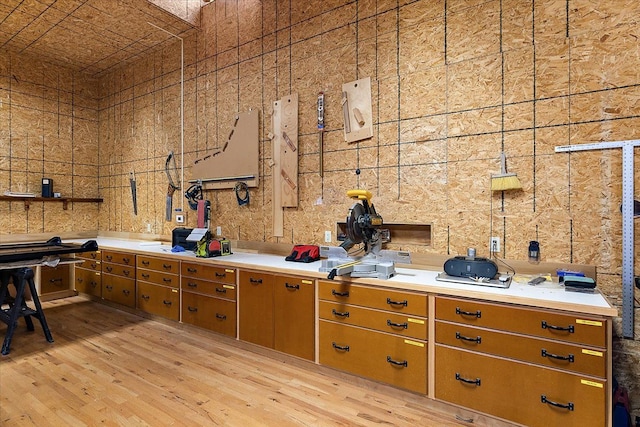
x,y
288,286
94,255
145,262
79,280
55,280
192,285
166,302
397,325
391,302
145,297
477,340
109,269
396,363
94,265
544,399
145,276
109,287
221,275
126,272
192,309
109,257
555,356
464,380
221,291
478,313
126,260
255,281
126,292
166,266
340,314
339,347
192,270
221,316
166,280
569,328
339,294
94,284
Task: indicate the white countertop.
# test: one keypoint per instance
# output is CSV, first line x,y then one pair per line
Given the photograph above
x,y
545,295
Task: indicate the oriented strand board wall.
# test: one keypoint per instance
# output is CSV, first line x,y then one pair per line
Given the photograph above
x,y
48,128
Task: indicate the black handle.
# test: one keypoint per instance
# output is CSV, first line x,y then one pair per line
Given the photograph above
x,y
126,260
255,281
477,340
221,275
167,266
555,356
145,297
55,280
339,294
94,265
166,280
109,257
288,286
79,279
94,255
126,292
395,362
94,283
478,313
464,380
166,302
192,309
126,272
221,316
339,347
569,328
544,399
192,270
145,276
221,290
109,287
145,262
332,274
391,302
340,314
109,269
192,285
397,325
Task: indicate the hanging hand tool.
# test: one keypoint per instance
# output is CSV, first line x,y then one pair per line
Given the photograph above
x,y
132,181
321,128
172,187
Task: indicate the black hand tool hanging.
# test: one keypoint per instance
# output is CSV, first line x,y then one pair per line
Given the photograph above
x,y
132,182
172,187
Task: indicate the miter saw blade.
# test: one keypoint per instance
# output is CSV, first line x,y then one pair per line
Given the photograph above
x,y
353,230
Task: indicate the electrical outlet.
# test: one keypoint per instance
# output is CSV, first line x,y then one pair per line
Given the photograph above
x,y
327,236
148,228
180,219
218,231
495,245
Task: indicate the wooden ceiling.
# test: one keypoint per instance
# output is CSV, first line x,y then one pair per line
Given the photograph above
x,y
89,36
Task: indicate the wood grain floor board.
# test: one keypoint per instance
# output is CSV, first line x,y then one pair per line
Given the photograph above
x,y
113,368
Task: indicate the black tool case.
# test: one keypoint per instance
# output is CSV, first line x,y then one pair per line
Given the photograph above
x,y
179,237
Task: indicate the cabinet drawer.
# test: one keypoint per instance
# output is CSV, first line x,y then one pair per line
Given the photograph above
x,y
383,299
210,313
160,300
121,290
88,282
94,256
209,272
556,354
119,270
546,324
158,277
518,392
158,264
382,357
119,258
409,326
54,279
90,264
209,288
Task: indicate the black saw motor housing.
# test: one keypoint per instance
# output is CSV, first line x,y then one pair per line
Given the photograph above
x,y
461,266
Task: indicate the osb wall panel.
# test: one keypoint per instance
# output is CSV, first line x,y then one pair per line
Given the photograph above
x,y
453,84
48,128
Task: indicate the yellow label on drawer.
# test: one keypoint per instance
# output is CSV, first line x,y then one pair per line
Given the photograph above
x,y
227,270
418,321
228,286
588,322
174,291
591,352
307,282
591,383
416,343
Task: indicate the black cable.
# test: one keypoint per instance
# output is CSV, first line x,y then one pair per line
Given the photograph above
x,y
244,200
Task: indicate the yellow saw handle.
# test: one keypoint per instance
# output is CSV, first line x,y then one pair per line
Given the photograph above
x,y
360,194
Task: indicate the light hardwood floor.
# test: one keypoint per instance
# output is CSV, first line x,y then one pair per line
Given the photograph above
x,y
113,368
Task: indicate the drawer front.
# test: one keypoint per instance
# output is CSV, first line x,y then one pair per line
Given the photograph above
x,y
382,357
383,299
294,316
210,313
94,255
158,264
90,264
159,300
409,326
209,272
546,324
555,354
518,392
158,277
89,282
119,289
54,279
256,308
209,288
119,270
119,258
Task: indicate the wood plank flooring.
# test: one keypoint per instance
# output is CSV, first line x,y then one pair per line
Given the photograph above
x,y
113,368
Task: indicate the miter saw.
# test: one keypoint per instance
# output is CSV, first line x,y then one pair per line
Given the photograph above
x,y
362,226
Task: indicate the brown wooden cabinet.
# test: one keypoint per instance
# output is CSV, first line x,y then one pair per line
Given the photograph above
x,y
256,307
88,278
158,286
119,277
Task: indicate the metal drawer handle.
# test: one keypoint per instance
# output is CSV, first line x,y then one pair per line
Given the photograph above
x,y
397,325
79,280
221,291
464,380
109,257
167,266
339,294
192,270
94,265
396,363
126,292
145,262
166,280
340,314
94,284
126,260
477,340
192,309
109,269
339,347
555,356
221,275
166,302
569,328
126,272
145,297
55,280
192,285
221,316
391,302
478,313
288,286
255,281
94,255
544,399
145,276
109,287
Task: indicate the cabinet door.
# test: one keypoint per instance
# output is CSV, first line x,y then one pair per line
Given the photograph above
x,y
294,316
256,308
88,282
211,313
160,300
121,290
54,279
